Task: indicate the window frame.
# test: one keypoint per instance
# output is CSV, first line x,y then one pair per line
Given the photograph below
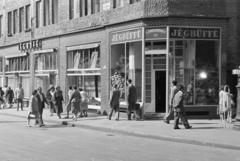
x,y
71,9
9,14
38,14
55,9
21,19
46,13
27,17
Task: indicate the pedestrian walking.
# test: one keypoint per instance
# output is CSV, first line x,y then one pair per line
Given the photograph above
x,y
114,102
33,109
75,101
68,109
220,107
58,101
19,95
4,96
41,104
9,96
84,103
131,100
170,114
49,96
179,110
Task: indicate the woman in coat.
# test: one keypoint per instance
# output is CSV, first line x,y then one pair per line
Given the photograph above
x,y
220,107
9,96
84,103
49,96
33,109
57,101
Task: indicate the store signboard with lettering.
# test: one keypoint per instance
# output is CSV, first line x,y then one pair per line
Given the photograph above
x,y
156,33
125,36
194,33
30,45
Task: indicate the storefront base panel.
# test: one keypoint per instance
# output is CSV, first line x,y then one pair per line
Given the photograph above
x,y
202,112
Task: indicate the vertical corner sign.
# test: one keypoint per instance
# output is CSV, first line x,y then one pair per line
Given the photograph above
x,y
125,36
156,33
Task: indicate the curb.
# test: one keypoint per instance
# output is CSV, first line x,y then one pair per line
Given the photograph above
x,y
141,134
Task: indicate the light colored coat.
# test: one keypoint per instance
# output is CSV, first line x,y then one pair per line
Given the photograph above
x,y
19,93
33,104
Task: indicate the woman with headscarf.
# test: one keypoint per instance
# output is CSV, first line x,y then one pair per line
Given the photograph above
x,y
49,96
57,101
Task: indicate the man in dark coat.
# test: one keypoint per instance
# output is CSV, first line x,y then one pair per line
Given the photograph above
x,y
179,111
114,102
41,104
131,100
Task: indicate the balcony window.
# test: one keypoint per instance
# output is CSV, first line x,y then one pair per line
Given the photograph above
x,y
28,18
38,3
14,21
46,13
9,23
54,11
71,9
21,19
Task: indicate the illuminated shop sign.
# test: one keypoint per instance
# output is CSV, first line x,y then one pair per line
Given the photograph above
x,y
124,36
194,33
154,33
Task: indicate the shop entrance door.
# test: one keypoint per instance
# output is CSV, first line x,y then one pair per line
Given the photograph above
x,y
160,91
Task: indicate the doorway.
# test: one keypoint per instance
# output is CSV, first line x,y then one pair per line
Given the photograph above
x,y
160,91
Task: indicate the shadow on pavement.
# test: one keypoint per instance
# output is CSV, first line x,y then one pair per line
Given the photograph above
x,y
207,127
54,126
12,121
203,123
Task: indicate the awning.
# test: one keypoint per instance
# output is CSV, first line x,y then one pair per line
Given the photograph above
x,y
45,51
16,55
80,47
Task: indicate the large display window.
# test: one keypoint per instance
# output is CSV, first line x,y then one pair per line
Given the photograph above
x,y
45,68
126,63
83,70
195,64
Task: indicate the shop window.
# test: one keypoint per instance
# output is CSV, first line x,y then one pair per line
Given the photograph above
x,y
71,9
117,3
14,21
54,11
46,61
38,3
84,59
21,19
9,23
1,26
27,17
134,1
17,64
95,6
126,63
46,15
195,64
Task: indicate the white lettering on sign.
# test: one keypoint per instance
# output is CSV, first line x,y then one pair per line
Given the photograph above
x,y
126,36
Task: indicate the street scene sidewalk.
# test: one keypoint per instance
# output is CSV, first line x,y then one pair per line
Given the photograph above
x,y
204,132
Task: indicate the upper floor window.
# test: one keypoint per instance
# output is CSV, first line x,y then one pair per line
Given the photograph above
x,y
1,26
117,3
134,1
28,18
54,11
38,3
71,9
9,23
14,21
21,19
46,13
95,6
83,6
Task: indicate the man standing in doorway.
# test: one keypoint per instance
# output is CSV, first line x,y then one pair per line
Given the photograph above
x,y
170,114
131,100
179,111
19,95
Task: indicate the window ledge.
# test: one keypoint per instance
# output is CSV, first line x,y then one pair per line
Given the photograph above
x,y
9,35
28,30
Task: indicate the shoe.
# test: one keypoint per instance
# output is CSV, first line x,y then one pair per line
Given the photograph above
x,y
66,117
167,122
41,125
176,128
189,127
36,124
117,119
109,118
80,115
86,115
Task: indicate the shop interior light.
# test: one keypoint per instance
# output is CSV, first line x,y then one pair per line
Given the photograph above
x,y
203,75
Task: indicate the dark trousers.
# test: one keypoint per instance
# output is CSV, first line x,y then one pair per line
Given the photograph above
x,y
170,115
130,108
182,116
20,101
40,116
114,108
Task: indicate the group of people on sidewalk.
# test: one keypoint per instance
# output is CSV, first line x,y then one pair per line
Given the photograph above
x,y
8,97
78,103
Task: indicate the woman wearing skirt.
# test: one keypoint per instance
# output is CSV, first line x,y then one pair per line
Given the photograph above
x,y
57,101
75,100
49,97
84,103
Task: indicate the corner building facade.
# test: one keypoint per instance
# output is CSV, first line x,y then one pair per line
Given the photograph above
x,y
95,44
